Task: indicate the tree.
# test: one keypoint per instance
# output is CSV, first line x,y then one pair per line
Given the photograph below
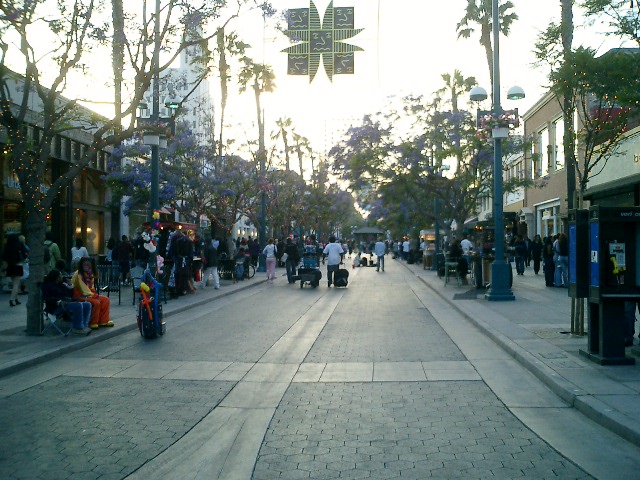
x,y
479,12
284,126
50,45
606,92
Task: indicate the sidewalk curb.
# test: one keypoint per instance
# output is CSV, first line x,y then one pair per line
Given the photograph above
x,y
582,401
82,342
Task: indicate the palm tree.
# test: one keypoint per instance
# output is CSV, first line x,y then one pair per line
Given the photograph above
x,y
284,124
302,146
455,85
479,12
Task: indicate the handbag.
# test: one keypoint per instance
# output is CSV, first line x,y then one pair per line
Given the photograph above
x,y
284,257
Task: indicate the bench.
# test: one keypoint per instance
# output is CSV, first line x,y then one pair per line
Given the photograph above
x,y
109,280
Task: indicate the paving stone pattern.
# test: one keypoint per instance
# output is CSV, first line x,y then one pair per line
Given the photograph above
x,y
408,430
224,335
380,334
97,428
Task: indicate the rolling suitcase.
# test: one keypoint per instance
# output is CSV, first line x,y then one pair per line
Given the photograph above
x,y
341,277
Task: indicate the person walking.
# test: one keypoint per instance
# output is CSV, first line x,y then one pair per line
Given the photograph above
x,y
548,263
51,254
520,248
211,259
124,254
77,253
561,248
334,254
536,253
380,250
15,253
293,258
270,253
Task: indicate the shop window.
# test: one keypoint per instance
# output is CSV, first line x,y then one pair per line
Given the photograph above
x,y
93,191
558,144
543,151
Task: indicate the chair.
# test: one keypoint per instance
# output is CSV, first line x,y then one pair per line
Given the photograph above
x,y
136,279
109,280
451,268
55,322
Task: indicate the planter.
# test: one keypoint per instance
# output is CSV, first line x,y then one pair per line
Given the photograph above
x,y
500,132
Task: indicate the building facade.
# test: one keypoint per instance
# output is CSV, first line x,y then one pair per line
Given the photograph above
x,y
81,210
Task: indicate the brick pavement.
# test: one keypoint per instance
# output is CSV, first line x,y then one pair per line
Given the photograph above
x,y
341,366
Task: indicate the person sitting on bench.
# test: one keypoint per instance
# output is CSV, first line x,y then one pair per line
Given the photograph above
x,y
57,299
84,290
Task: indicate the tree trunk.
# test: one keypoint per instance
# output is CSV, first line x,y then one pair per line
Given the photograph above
x,y
223,68
36,222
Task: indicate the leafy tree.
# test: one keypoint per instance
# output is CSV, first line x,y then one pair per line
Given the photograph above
x,y
47,46
606,92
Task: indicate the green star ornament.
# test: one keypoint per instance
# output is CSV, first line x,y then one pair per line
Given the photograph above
x,y
321,40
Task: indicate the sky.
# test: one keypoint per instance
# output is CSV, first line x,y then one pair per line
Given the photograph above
x,y
408,45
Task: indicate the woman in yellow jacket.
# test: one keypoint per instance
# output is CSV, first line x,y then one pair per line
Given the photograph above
x,y
83,282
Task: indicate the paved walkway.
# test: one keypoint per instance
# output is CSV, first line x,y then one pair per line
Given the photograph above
x,y
533,329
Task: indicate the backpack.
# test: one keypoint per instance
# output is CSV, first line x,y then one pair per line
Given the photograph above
x,y
47,253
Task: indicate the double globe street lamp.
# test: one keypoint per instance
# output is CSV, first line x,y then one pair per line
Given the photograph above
x,y
500,289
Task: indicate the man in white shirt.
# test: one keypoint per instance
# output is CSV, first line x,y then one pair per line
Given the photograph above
x,y
466,246
405,248
334,253
380,249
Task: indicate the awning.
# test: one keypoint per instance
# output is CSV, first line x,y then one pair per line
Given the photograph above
x,y
525,211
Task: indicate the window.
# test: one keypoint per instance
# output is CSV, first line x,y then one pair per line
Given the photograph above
x,y
558,144
543,152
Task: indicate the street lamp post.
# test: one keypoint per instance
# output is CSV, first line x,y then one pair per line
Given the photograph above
x,y
436,223
500,289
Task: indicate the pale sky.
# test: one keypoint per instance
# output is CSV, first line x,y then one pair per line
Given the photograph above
x,y
407,45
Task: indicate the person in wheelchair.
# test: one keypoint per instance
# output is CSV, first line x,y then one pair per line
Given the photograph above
x,y
57,298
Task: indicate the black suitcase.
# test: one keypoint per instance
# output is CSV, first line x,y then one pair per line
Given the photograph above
x,y
341,277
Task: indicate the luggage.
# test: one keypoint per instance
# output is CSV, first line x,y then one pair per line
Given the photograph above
x,y
312,276
341,277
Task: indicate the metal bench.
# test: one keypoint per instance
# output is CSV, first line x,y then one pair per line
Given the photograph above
x,y
109,280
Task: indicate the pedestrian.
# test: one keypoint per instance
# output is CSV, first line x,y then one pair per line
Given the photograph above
x,y
57,297
211,261
548,261
84,283
380,250
561,248
334,254
405,249
51,254
141,254
270,253
124,254
455,254
111,245
520,249
293,259
77,252
14,254
254,252
467,248
536,253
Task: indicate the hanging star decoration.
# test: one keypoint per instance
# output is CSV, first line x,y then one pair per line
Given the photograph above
x,y
321,41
